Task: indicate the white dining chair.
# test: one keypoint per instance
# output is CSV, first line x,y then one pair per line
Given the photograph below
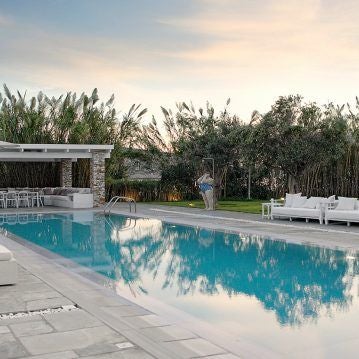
x,y
2,199
11,199
23,198
36,199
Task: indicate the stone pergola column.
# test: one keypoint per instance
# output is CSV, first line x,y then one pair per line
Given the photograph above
x,y
66,173
97,177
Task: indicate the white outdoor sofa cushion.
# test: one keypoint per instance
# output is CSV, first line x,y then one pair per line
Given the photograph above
x,y
68,197
8,267
73,200
334,214
289,197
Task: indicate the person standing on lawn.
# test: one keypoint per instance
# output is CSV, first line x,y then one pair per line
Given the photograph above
x,y
205,184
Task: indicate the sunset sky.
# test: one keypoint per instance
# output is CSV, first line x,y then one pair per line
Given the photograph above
x,y
162,51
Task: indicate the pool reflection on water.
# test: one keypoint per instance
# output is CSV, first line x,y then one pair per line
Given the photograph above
x,y
283,296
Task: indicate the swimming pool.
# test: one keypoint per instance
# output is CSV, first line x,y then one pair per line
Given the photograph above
x,y
285,297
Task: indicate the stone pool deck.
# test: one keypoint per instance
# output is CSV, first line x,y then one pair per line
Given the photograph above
x,y
61,333
107,325
335,235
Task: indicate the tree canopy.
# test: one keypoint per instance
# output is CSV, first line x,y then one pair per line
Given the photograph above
x,y
295,146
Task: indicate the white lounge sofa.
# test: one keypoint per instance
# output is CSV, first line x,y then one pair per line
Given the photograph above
x,y
297,206
68,197
8,267
343,210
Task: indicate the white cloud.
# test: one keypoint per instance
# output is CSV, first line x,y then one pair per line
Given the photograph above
x,y
58,63
288,32
5,20
249,50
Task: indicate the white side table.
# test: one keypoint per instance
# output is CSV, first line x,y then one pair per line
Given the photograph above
x,y
266,210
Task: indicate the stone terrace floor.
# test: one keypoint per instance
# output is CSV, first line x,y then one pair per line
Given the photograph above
x,y
63,334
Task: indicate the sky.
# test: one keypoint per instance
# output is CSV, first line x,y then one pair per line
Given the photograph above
x,y
159,52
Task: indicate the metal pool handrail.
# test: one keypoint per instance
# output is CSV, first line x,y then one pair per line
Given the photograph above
x,y
108,207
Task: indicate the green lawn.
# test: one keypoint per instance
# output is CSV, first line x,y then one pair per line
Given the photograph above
x,y
247,206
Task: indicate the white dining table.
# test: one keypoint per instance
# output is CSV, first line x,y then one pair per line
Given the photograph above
x,y
30,193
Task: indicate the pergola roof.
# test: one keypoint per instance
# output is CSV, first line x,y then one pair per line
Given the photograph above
x,y
49,152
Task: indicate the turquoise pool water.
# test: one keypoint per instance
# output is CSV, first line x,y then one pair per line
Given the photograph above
x,y
283,296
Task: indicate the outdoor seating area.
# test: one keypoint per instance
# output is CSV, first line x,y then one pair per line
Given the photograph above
x,y
21,197
64,196
343,209
67,197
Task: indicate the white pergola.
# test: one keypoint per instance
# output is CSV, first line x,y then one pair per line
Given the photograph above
x,y
65,154
50,152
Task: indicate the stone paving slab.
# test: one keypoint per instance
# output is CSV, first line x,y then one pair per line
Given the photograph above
x,y
199,346
47,303
126,354
24,288
126,311
30,328
221,356
96,349
62,355
147,321
32,296
9,321
11,304
4,330
65,321
168,333
70,340
105,301
10,347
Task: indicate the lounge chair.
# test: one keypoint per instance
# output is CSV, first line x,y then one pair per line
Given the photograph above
x,y
297,206
8,267
345,209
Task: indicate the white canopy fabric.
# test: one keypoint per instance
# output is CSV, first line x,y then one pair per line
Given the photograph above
x,y
11,152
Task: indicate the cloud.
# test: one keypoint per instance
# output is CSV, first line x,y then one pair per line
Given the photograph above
x,y
249,50
54,60
281,33
5,20
256,50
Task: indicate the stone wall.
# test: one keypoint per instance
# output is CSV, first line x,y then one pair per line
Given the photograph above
x,y
97,178
66,173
